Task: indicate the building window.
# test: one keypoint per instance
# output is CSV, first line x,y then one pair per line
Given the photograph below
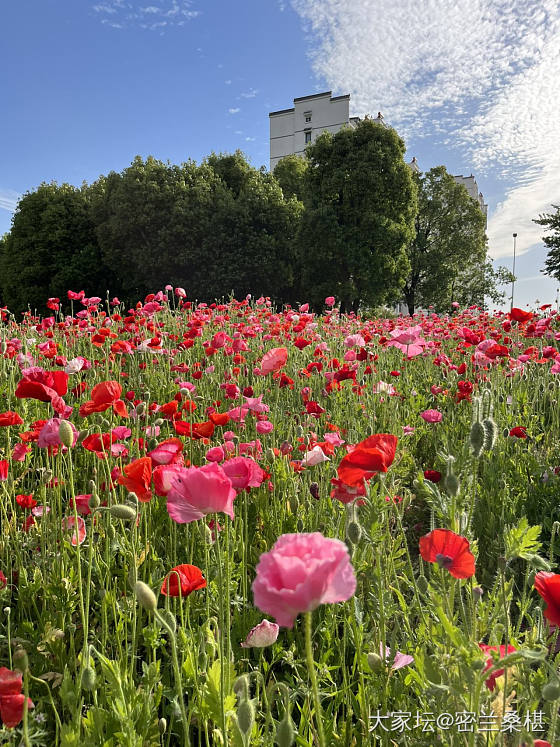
x,y
307,116
307,136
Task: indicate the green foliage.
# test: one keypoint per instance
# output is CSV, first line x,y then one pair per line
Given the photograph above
x,y
552,223
360,203
448,253
51,247
290,174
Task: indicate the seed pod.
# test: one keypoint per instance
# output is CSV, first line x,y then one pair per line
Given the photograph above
x,y
245,716
490,433
375,662
146,597
140,408
66,433
477,436
89,679
122,511
314,490
285,733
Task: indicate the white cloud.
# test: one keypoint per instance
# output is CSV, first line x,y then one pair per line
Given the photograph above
x,y
234,110
250,139
480,76
9,199
250,94
132,13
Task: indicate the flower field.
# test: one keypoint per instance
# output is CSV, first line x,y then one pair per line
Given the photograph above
x,y
231,525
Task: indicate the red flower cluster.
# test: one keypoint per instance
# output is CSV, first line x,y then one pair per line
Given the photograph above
x,y
12,700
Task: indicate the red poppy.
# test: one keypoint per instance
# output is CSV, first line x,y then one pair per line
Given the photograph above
x,y
10,418
274,360
104,395
449,551
138,478
11,709
432,475
10,682
520,431
3,580
491,681
547,585
194,430
4,465
26,501
518,315
45,386
190,578
374,454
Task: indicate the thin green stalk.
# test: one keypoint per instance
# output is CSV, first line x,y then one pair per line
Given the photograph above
x,y
313,678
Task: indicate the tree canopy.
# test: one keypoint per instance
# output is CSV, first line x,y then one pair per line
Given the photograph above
x,y
552,223
52,243
448,254
360,203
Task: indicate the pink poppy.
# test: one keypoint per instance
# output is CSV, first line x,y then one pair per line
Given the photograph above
x,y
431,416
163,476
299,573
263,634
167,452
243,472
274,360
264,426
329,301
69,525
198,491
314,456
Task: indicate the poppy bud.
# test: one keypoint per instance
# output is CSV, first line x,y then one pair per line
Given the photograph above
x,y
47,477
551,691
354,532
300,526
451,485
490,433
158,422
422,584
477,591
122,511
66,433
245,716
478,664
146,597
21,662
375,662
89,679
94,502
140,408
299,431
537,562
314,490
285,732
81,435
270,455
162,726
477,438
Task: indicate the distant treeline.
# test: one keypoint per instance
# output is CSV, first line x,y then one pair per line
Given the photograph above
x,y
340,222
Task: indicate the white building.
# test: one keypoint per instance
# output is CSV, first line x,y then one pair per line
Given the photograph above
x,y
292,129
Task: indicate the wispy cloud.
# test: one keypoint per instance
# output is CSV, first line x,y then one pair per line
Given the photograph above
x,y
234,110
9,199
122,14
250,94
480,76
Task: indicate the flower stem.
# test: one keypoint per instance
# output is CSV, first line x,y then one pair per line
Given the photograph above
x,y
313,677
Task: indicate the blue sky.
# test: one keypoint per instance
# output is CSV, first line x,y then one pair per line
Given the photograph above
x,y
473,85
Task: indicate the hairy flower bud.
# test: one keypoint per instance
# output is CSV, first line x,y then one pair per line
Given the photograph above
x,y
89,679
146,597
66,433
94,502
375,662
122,511
245,716
285,733
477,438
354,532
551,691
422,584
490,433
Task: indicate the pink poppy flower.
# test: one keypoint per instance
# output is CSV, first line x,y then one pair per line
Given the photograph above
x,y
263,634
243,472
431,416
215,454
400,660
299,573
264,426
329,301
198,491
167,452
274,360
69,525
163,476
315,456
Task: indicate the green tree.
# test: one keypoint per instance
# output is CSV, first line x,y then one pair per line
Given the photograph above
x,y
449,243
212,228
290,175
360,203
50,248
552,223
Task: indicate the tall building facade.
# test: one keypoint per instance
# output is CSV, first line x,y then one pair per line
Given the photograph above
x,y
292,129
